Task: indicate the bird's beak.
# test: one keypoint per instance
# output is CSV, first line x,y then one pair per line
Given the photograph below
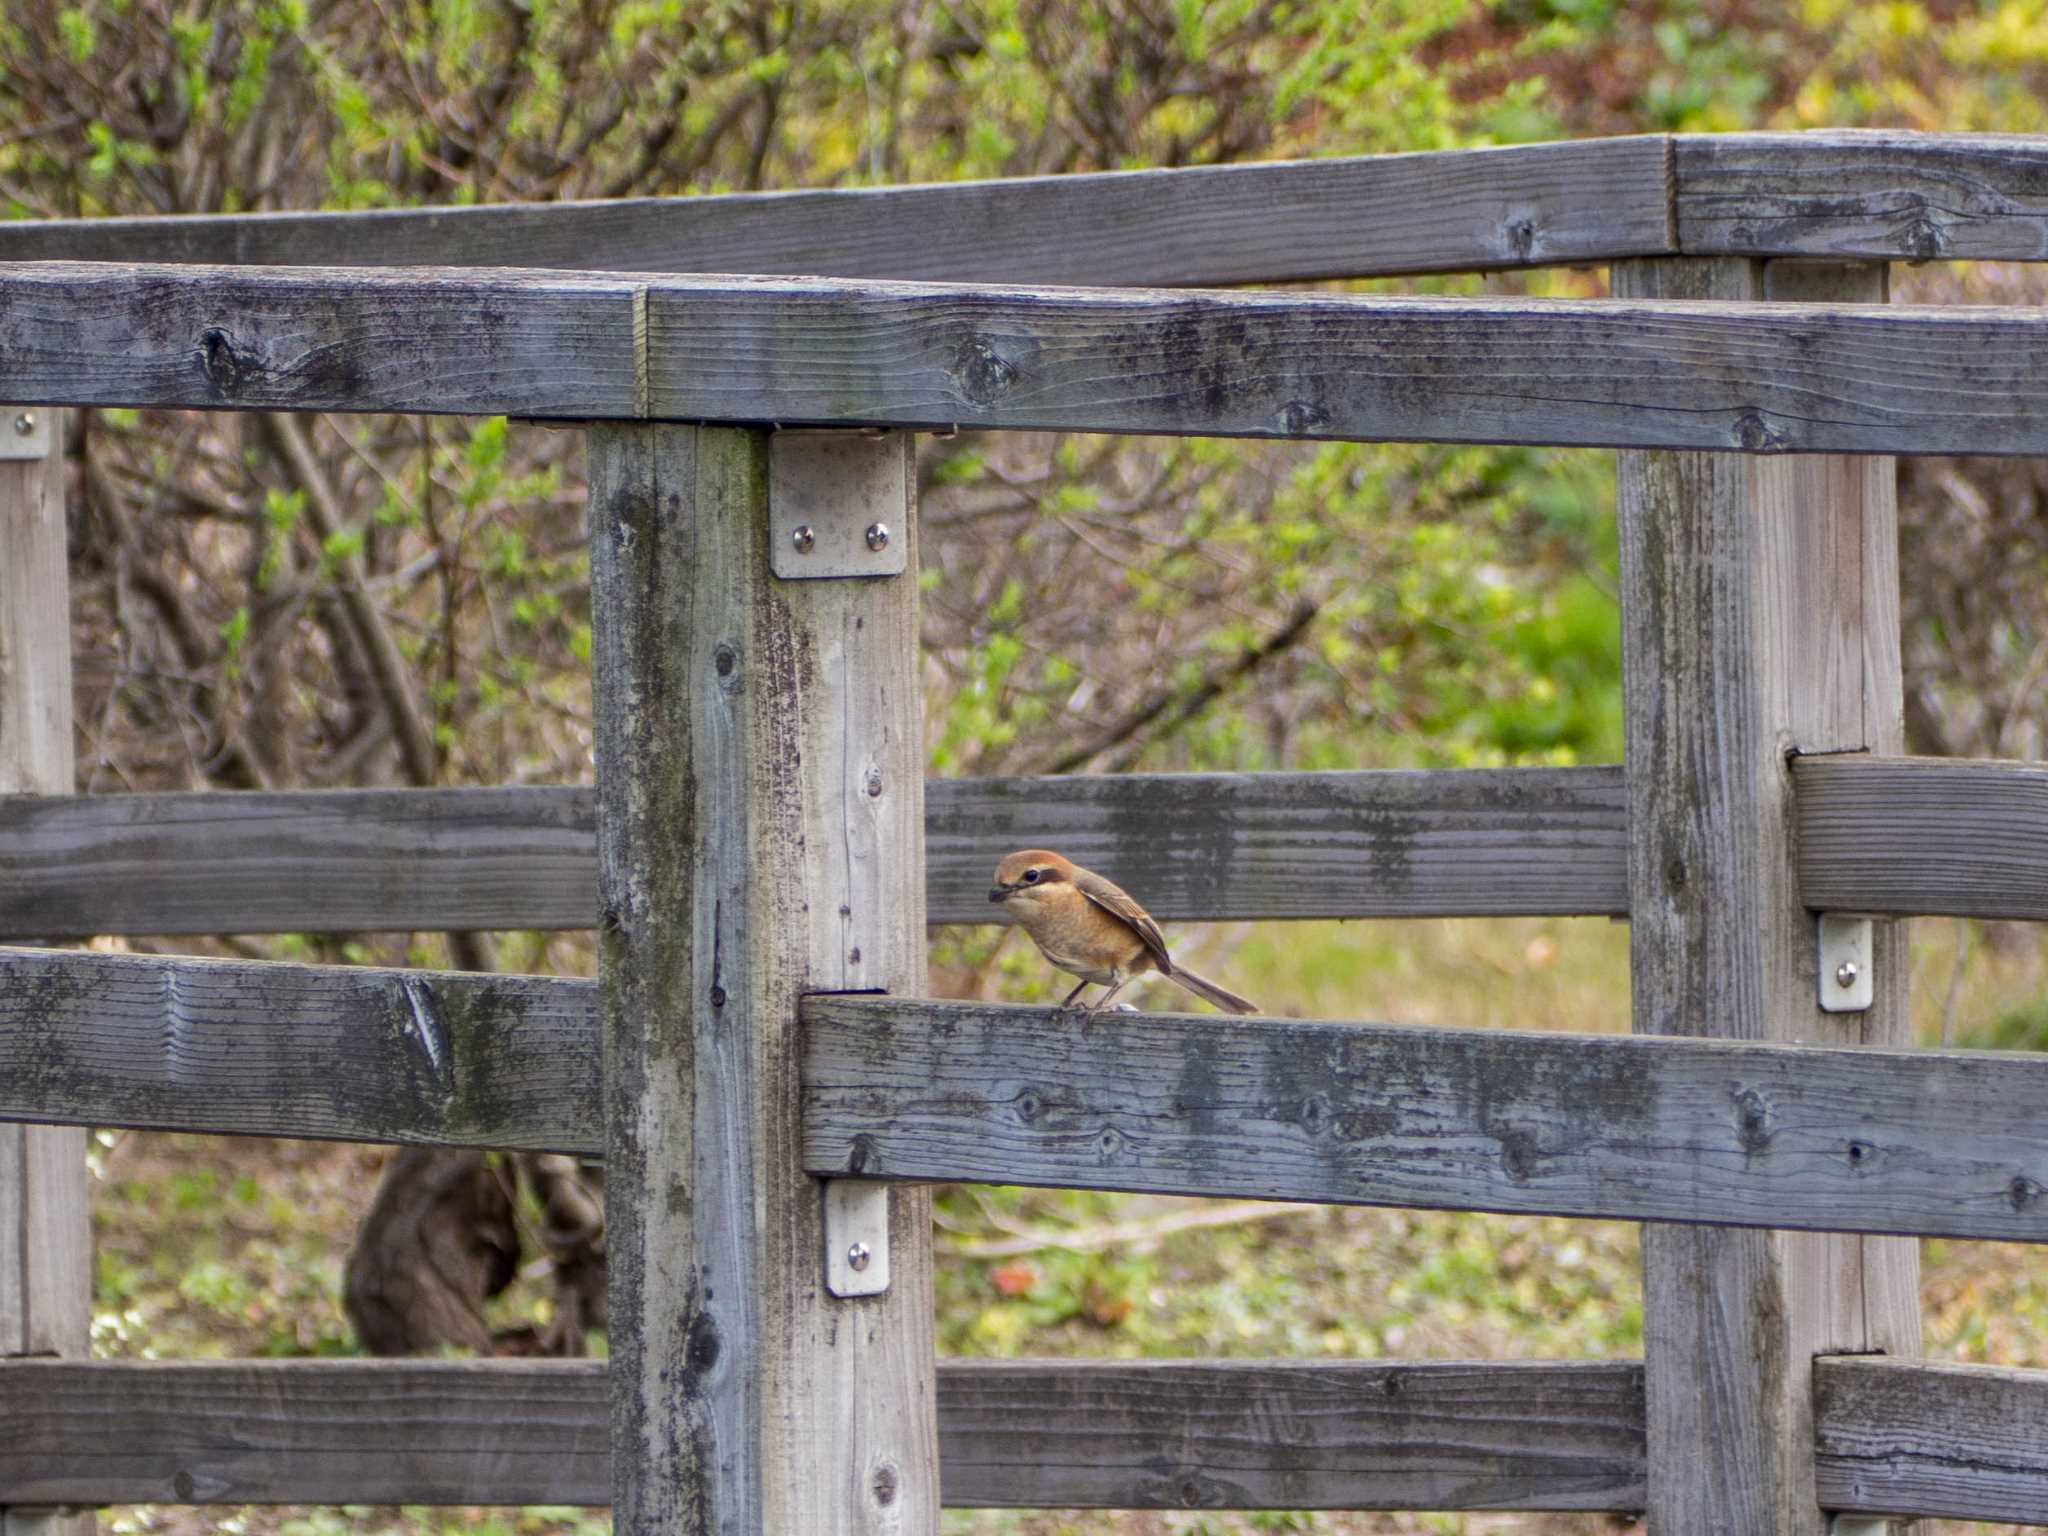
x,y
1000,893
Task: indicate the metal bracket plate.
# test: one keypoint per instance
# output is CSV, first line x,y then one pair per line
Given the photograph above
x,y
838,503
856,1237
1845,981
25,431
1859,1525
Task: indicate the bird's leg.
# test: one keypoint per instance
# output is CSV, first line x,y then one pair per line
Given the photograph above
x,y
1067,1006
1102,1002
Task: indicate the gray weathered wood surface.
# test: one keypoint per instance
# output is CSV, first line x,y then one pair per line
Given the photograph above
x,y
248,1048
1892,1437
1742,377
1874,193
1904,1438
1761,619
1210,846
46,1255
1923,835
1153,1434
455,341
759,805
1457,210
1875,834
1581,1125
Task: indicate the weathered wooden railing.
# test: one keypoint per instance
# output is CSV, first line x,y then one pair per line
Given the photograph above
x,y
744,903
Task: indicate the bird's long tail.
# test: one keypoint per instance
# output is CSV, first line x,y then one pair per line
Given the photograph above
x,y
1209,992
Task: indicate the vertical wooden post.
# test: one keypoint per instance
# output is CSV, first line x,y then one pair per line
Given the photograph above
x,y
45,1222
1760,620
760,791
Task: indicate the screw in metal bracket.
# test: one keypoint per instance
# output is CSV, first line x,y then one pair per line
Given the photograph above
x,y
878,537
25,424
1846,974
804,538
857,1257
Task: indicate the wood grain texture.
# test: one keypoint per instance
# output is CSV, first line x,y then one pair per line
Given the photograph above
x,y
305,1431
1204,846
1761,620
1874,834
1904,1438
265,1049
1923,835
742,723
1455,210
1740,376
46,1253
1640,1128
1893,1437
451,341
1141,1435
1876,193
1743,377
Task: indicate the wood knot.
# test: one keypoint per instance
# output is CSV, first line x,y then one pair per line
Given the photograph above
x,y
1752,1120
1029,1106
1297,418
2023,1191
703,1348
725,661
1520,237
227,370
886,1482
983,373
1922,240
864,1154
1754,434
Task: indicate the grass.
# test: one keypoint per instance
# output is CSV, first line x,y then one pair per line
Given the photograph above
x,y
212,1247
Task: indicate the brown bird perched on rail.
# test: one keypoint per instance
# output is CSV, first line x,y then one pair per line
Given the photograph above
x,y
1092,929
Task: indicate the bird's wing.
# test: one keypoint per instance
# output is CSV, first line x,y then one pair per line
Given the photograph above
x,y
1114,900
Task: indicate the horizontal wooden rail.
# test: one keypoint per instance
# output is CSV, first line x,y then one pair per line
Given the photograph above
x,y
1923,836
1643,1128
1897,1437
1213,846
1894,835
1893,1437
1762,378
1868,194
1589,200
334,1052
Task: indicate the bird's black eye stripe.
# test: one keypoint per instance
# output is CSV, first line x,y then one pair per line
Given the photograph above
x,y
1031,877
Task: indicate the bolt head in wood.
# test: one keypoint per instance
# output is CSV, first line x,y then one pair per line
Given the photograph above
x,y
878,537
804,539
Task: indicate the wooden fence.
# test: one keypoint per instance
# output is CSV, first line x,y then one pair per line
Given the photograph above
x,y
760,871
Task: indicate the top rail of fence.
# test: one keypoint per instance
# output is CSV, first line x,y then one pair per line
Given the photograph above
x,y
1872,194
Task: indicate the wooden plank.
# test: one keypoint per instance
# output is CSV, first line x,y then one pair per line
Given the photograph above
x,y
759,793
1206,846
46,1253
1441,211
1748,377
1923,835
265,1049
1640,1128
1164,1434
1745,377
304,1432
1905,1438
1893,1437
1761,617
452,341
300,861
1477,842
1873,192
1875,834
1088,1434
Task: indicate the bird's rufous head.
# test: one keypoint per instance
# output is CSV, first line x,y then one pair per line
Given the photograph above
x,y
1023,874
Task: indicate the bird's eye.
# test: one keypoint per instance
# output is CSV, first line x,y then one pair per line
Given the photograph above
x,y
1031,877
